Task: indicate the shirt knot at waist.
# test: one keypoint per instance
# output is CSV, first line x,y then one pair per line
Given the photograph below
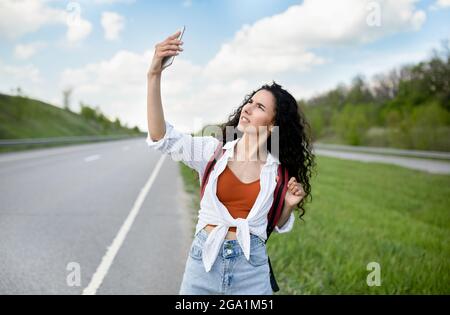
x,y
217,236
233,245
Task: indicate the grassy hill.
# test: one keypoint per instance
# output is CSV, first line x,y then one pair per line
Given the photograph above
x,y
22,117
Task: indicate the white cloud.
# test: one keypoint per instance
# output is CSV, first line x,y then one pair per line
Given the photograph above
x,y
26,16
78,30
20,17
112,24
443,3
22,74
439,4
25,51
285,42
77,27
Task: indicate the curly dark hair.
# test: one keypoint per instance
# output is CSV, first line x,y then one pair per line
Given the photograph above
x,y
295,145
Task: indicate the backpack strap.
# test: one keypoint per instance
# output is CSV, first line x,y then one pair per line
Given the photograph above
x,y
212,161
275,213
278,199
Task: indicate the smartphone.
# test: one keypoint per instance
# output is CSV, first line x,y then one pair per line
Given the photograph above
x,y
167,61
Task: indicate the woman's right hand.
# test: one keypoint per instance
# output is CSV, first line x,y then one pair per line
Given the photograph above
x,y
168,47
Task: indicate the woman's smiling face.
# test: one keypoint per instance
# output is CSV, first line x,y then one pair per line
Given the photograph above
x,y
258,112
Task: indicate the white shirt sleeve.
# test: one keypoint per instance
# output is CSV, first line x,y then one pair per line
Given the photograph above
x,y
194,151
287,227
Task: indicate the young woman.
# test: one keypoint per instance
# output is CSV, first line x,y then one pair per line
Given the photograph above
x,y
228,254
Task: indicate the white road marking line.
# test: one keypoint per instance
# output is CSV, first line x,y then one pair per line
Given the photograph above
x,y
27,155
92,158
108,259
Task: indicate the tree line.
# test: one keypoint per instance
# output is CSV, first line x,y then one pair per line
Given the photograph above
x,y
407,107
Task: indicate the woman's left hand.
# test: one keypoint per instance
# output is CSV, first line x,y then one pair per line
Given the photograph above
x,y
294,193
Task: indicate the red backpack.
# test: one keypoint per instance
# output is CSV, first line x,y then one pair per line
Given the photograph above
x,y
277,206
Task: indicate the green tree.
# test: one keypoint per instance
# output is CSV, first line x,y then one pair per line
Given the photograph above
x,y
351,123
117,124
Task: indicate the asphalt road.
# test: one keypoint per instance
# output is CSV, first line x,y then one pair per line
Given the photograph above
x,y
62,208
421,164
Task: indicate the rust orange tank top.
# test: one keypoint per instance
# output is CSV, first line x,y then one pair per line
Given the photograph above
x,y
236,196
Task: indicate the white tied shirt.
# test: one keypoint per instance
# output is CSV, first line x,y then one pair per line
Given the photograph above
x,y
195,152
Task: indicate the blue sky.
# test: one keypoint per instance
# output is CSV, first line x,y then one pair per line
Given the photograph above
x,y
206,81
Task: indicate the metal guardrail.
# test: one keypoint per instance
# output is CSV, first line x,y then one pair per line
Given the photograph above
x,y
386,151
52,140
316,145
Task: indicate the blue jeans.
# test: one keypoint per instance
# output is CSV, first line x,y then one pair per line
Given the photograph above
x,y
231,272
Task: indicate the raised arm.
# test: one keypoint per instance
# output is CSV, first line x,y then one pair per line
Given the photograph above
x,y
162,136
155,113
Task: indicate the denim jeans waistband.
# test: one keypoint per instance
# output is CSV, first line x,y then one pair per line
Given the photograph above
x,y
231,248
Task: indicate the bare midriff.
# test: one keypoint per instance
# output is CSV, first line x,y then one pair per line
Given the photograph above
x,y
231,235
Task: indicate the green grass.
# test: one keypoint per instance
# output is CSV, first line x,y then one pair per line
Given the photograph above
x,y
362,213
192,187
